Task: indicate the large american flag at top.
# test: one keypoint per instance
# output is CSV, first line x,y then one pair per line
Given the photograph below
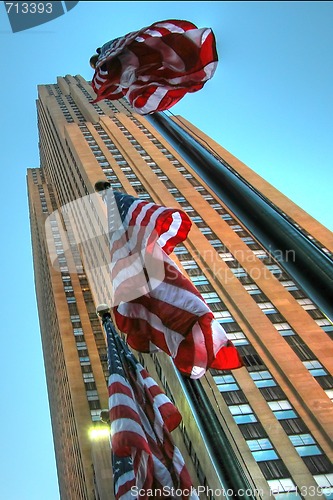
x,y
144,456
164,310
156,66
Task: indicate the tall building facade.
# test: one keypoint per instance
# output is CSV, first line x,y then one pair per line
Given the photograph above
x,y
275,415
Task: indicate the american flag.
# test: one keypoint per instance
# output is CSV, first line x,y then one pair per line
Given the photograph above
x,y
142,417
156,66
164,310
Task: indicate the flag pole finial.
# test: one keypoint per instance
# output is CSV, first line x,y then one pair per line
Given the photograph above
x,y
103,311
102,186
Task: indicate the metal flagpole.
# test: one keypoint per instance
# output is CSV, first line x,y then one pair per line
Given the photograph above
x,y
122,467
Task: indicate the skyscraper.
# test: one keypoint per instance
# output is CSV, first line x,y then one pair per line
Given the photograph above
x,y
246,253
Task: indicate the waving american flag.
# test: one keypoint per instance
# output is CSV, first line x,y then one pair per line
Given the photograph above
x,y
164,311
141,417
156,66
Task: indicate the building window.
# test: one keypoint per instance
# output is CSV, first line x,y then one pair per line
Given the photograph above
x,y
238,338
199,280
282,409
315,368
95,415
253,430
323,322
307,304
234,397
274,269
239,272
180,249
226,256
243,414
305,445
283,486
206,230
294,426
284,329
84,359
261,254
71,300
289,285
190,264
222,316
251,358
318,464
81,345
263,379
88,377
329,393
262,450
92,395
267,307
252,289
211,297
299,347
272,393
273,469
94,404
325,482
225,383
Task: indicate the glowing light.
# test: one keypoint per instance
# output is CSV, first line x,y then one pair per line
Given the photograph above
x,y
99,433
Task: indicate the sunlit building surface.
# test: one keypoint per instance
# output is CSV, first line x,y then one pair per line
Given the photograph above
x,y
275,415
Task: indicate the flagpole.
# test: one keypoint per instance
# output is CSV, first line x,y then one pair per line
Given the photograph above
x,y
169,467
229,470
100,187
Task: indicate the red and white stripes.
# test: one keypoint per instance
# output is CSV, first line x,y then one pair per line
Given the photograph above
x,y
156,66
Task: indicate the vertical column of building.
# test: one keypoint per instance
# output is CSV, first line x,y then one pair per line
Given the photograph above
x,y
82,349
58,346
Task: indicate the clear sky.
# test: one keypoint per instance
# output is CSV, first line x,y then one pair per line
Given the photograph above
x,y
269,103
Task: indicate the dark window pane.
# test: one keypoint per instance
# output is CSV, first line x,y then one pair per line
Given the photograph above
x,y
251,359
294,426
299,347
325,381
318,464
252,431
234,397
273,469
272,393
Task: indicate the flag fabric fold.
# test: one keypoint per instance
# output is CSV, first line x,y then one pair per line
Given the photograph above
x,y
144,456
164,311
156,66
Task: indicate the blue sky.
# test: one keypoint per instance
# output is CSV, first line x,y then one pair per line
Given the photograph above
x,y
270,104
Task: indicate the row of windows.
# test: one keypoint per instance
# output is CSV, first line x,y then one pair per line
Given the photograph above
x,y
299,435
243,414
91,392
274,268
253,432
